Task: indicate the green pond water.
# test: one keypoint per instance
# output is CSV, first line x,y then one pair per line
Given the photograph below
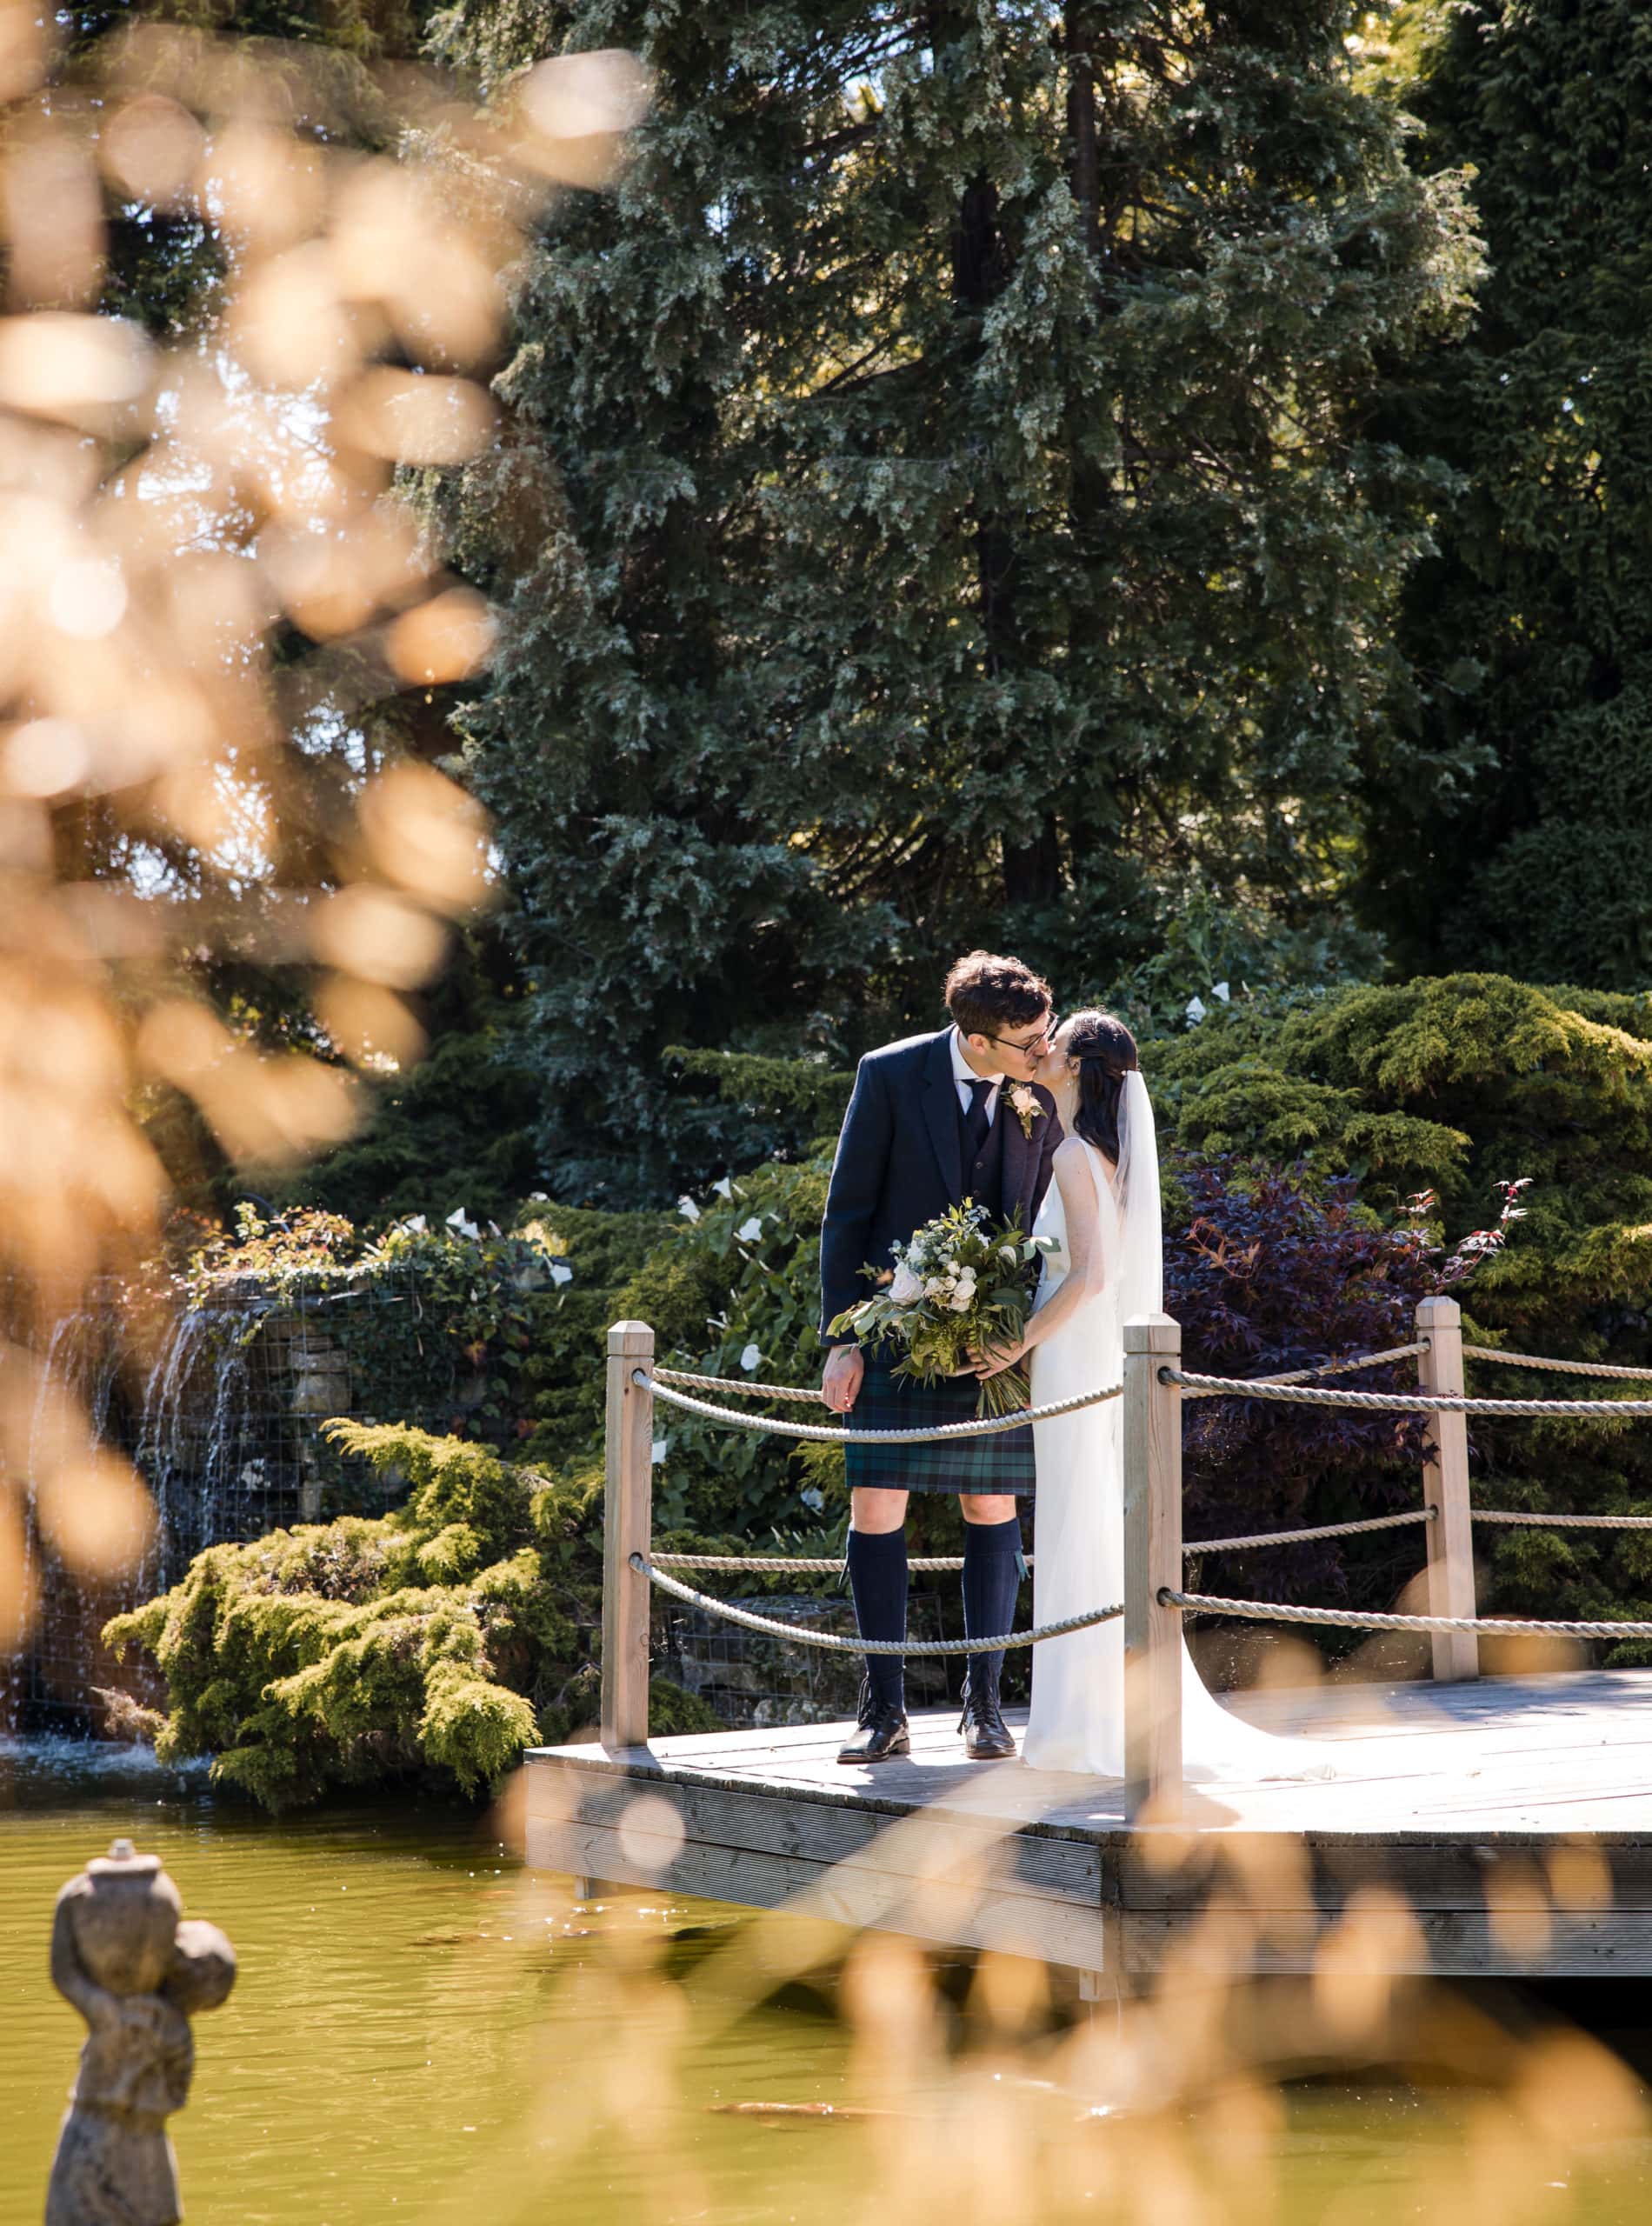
x,y
425,2031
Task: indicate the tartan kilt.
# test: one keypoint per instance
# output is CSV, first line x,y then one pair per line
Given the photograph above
x,y
1000,1463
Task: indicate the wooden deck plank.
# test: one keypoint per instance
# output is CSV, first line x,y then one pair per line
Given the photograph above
x,y
1019,1924
922,1844
1462,1798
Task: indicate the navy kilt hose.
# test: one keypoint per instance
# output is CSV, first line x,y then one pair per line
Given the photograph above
x,y
1002,1462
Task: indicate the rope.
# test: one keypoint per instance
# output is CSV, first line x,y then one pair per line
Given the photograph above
x,y
808,1396
831,1643
1347,1367
1346,1618
774,1426
1217,1387
1298,1537
802,1392
796,1564
1561,1367
802,1565
1562,1522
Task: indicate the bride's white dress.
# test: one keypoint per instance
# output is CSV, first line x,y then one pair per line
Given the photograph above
x,y
1077,1719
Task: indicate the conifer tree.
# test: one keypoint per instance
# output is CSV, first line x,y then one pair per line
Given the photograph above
x,y
1509,807
936,508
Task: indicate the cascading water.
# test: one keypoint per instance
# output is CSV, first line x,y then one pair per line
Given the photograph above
x,y
223,1419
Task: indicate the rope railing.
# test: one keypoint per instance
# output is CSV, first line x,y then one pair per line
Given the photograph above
x,y
821,1565
1268,1611
1404,1403
808,1395
798,1564
819,1434
1527,1520
829,1643
1157,1555
1348,1367
1597,1367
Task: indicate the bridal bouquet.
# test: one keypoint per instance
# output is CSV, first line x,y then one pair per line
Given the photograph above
x,y
961,1283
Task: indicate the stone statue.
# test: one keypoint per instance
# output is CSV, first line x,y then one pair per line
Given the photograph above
x,y
137,1972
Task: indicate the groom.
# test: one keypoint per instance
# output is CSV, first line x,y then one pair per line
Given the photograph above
x,y
933,1121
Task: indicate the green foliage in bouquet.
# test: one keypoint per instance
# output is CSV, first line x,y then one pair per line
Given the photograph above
x,y
960,1285
431,1644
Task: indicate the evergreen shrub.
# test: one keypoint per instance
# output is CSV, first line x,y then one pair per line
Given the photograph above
x,y
433,1644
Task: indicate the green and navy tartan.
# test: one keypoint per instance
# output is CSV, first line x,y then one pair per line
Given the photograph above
x,y
1002,1462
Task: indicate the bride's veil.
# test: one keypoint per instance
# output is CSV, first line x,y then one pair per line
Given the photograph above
x,y
1141,1231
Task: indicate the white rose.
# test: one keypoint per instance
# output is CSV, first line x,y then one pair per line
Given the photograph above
x,y
962,1300
938,1287
906,1288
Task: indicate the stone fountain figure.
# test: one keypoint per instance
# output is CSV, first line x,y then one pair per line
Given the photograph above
x,y
137,1970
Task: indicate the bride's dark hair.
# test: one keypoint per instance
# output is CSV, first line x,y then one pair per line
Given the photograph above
x,y
1105,1052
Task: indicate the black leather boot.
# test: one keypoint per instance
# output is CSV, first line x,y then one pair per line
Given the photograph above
x,y
881,1732
987,1737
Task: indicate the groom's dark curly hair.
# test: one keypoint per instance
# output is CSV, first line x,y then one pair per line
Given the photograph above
x,y
985,993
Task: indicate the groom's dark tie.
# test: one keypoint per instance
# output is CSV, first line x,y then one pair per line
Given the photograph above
x,y
977,1122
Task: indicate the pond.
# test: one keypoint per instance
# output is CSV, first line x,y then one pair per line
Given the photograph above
x,y
423,2030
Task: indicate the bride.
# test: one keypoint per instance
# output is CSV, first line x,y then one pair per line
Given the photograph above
x,y
1104,1263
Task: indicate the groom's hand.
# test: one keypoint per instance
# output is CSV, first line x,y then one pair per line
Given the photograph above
x,y
841,1384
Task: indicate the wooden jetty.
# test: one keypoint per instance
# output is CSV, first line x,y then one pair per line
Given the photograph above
x,y
1514,1816
1484,1826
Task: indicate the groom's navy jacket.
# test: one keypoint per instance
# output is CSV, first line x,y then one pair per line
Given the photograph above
x,y
900,1162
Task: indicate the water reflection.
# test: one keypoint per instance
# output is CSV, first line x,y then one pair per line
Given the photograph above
x,y
423,2030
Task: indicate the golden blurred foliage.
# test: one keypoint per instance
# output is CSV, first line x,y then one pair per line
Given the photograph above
x,y
202,550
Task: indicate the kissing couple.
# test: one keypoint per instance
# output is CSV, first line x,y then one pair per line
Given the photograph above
x,y
1046,1121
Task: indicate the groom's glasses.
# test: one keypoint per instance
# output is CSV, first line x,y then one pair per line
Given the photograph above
x,y
1033,1042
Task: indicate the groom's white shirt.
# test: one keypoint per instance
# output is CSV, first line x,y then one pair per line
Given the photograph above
x,y
966,1080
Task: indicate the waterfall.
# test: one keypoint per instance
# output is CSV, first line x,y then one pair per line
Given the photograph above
x,y
223,1423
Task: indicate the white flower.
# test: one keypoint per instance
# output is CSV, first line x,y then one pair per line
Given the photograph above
x,y
1007,1252
657,1453
1220,990
1195,1009
749,1231
538,1198
962,1300
751,1358
725,1188
907,1288
561,1272
414,1225
457,1220
687,1208
1022,1099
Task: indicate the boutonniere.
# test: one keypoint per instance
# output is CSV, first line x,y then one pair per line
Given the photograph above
x,y
1023,1103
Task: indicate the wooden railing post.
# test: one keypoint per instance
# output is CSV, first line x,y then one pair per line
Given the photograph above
x,y
1152,1561
1445,1488
627,1529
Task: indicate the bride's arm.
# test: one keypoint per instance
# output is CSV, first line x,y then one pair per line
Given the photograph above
x,y
1083,1281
